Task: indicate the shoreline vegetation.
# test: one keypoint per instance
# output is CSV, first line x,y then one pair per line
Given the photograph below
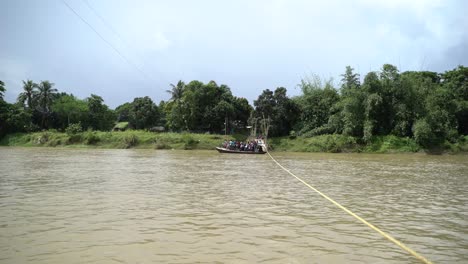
x,y
384,111
140,139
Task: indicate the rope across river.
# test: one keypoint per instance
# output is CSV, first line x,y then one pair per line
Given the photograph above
x,y
387,236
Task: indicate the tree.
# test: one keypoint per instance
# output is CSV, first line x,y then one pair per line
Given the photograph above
x,y
407,104
100,116
29,93
2,90
3,111
123,112
162,112
13,118
317,105
375,112
287,113
438,123
351,108
265,104
46,95
177,113
177,91
70,109
18,119
350,81
456,82
144,113
219,115
44,100
278,108
242,111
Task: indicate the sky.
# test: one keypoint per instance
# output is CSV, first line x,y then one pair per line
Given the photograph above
x,y
125,49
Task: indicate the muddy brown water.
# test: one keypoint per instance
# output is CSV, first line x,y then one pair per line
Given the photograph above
x,y
147,206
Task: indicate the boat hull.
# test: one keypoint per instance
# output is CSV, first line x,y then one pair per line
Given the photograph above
x,y
225,150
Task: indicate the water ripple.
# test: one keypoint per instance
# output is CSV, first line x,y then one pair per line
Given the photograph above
x,y
140,206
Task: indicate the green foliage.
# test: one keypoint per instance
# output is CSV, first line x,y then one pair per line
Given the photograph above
x,y
292,134
70,109
205,107
91,137
121,125
239,137
278,108
130,141
123,112
160,144
14,118
177,91
2,90
74,129
391,143
44,99
43,137
456,84
100,116
143,113
27,97
324,143
350,111
18,119
388,110
189,141
317,105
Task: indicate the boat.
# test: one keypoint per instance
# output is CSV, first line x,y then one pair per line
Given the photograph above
x,y
235,151
259,142
260,148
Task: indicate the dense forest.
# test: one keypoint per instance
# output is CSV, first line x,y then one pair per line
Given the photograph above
x,y
430,107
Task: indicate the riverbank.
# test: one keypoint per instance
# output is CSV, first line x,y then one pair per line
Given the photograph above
x,y
149,140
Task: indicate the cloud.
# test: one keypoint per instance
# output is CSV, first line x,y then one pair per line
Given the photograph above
x,y
450,58
417,7
12,72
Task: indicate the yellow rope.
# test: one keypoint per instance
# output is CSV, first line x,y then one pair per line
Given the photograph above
x,y
387,236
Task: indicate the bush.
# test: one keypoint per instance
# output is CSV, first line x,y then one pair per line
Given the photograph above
x,y
54,142
323,130
292,134
392,143
189,141
423,134
43,138
72,139
91,138
74,129
239,137
159,144
130,141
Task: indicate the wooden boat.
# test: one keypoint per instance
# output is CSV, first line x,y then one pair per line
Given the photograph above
x,y
260,148
225,150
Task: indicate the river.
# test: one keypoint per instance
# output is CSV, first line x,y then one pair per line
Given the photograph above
x,y
147,206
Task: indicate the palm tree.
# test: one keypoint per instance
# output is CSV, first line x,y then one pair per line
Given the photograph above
x,y
177,91
46,95
28,94
44,98
2,89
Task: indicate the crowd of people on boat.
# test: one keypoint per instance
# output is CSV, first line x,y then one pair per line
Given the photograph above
x,y
252,145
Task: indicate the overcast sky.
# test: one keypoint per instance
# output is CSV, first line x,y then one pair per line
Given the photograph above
x,y
248,45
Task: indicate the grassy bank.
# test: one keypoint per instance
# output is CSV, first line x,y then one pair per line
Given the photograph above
x,y
120,140
341,143
150,140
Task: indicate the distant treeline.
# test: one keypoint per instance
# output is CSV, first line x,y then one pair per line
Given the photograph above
x,y
430,107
